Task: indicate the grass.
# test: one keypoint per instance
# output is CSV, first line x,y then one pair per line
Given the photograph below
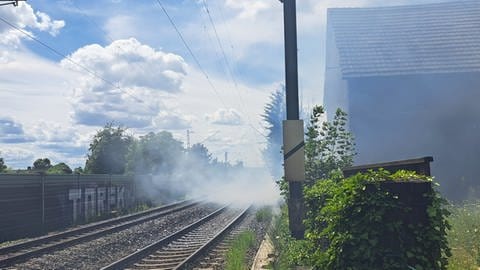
x,y
464,237
237,254
264,214
288,251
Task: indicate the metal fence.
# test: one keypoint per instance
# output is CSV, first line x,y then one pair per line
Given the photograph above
x,y
34,203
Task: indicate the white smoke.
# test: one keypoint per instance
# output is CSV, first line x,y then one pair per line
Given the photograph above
x,y
192,178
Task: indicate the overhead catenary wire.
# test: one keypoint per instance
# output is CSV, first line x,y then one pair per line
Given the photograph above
x,y
229,72
228,68
111,39
220,45
197,62
92,22
115,86
190,51
205,74
108,37
69,59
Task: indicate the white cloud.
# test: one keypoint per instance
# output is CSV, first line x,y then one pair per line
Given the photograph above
x,y
128,63
249,8
224,116
17,157
11,132
96,108
53,132
46,24
24,17
140,75
35,88
120,26
171,121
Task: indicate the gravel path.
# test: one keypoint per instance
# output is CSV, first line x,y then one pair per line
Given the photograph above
x,y
105,250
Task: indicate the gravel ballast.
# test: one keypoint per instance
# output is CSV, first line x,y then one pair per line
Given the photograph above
x,y
107,249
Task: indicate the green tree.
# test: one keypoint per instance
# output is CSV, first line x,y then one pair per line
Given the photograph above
x,y
274,114
60,168
108,151
42,164
3,167
78,170
199,153
154,153
329,146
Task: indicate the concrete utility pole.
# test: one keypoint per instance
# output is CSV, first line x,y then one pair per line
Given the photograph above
x,y
293,133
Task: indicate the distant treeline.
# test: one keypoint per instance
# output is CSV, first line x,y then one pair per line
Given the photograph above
x,y
114,151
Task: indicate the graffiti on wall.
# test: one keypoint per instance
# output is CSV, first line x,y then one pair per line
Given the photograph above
x,y
90,202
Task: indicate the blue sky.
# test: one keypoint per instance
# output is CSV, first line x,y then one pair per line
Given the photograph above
x,y
144,76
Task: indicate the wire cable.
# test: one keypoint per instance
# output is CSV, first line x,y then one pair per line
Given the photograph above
x,y
220,45
68,58
191,52
170,19
108,37
96,75
229,69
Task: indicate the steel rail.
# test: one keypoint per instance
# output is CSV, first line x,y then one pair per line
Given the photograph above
x,y
199,252
21,251
189,255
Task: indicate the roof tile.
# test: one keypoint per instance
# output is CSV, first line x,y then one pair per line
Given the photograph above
x,y
401,40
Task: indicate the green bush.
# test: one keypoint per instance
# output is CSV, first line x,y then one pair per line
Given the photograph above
x,y
350,225
288,251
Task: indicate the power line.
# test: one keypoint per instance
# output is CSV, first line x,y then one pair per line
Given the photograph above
x,y
109,38
93,73
92,22
227,63
55,51
229,69
178,32
196,59
208,34
183,40
191,52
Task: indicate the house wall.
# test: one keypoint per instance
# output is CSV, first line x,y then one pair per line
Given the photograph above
x,y
402,117
335,90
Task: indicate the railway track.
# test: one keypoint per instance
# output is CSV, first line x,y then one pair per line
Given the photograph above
x,y
214,257
10,255
186,245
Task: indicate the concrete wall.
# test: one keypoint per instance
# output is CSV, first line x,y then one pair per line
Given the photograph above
x,y
32,204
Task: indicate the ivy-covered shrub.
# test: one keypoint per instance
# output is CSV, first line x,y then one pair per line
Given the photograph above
x,y
360,223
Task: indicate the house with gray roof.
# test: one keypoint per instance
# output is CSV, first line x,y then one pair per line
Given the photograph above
x,y
409,78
